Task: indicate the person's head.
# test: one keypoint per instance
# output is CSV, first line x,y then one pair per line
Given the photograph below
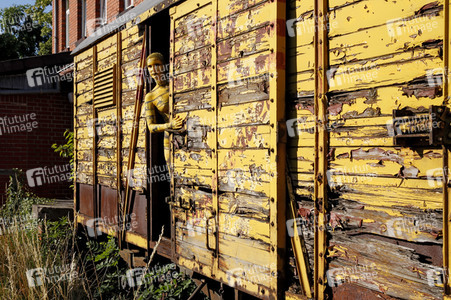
x,y
155,63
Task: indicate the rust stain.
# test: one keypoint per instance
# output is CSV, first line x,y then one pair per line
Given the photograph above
x,y
420,89
367,113
376,153
343,155
335,109
430,6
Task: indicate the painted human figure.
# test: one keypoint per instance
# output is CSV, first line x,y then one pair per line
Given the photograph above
x,y
158,100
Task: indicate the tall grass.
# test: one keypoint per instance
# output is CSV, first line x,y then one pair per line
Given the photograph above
x,y
25,247
77,267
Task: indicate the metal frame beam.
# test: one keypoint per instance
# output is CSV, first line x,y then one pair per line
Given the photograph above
x,y
321,144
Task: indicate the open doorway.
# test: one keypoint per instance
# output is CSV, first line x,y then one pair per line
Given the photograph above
x,y
158,40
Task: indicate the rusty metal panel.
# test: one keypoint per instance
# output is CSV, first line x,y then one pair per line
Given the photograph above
x,y
108,205
139,212
85,200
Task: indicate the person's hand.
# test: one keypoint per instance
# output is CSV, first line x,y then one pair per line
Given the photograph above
x,y
176,122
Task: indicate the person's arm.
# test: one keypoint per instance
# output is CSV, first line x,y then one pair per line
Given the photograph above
x,y
151,119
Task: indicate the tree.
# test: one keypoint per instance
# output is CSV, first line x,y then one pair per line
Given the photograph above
x,y
26,30
42,12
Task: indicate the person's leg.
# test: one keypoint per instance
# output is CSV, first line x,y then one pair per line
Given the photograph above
x,y
166,149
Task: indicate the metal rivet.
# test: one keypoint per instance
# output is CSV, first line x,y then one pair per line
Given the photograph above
x,y
272,199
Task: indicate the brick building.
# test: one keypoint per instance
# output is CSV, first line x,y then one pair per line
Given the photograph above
x,y
50,103
35,110
74,20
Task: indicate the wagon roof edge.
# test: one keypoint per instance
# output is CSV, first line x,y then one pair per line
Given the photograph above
x,y
135,16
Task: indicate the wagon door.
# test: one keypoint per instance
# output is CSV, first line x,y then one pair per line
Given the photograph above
x,y
228,167
366,157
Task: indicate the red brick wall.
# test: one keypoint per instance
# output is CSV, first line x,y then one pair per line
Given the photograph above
x,y
114,7
74,22
29,150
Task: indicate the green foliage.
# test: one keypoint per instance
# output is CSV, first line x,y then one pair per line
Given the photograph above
x,y
67,150
56,232
164,282
104,271
42,13
19,200
8,47
26,30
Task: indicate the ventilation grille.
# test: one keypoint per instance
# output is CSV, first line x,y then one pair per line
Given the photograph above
x,y
105,87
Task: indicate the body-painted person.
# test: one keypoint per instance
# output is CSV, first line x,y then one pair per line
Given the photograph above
x,y
158,99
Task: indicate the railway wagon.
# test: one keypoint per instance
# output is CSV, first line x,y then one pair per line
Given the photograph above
x,y
313,157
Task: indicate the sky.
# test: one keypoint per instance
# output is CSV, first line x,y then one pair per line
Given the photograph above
x,y
7,3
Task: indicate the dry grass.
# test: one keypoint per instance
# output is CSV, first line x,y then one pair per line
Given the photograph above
x,y
24,247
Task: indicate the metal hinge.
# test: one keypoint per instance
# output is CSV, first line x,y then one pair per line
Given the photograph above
x,y
420,128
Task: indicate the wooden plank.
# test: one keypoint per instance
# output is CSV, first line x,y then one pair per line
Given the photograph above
x,y
252,66
193,80
242,204
244,45
371,12
254,113
399,271
200,159
244,137
245,21
241,91
192,100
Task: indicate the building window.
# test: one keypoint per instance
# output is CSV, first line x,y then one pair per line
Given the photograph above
x,y
83,18
128,3
103,11
67,24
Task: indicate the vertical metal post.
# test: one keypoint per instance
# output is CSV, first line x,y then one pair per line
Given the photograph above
x,y
119,128
151,153
321,145
215,156
75,166
446,205
94,137
277,152
171,109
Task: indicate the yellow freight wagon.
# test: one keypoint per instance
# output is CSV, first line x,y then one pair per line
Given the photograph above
x,y
313,158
